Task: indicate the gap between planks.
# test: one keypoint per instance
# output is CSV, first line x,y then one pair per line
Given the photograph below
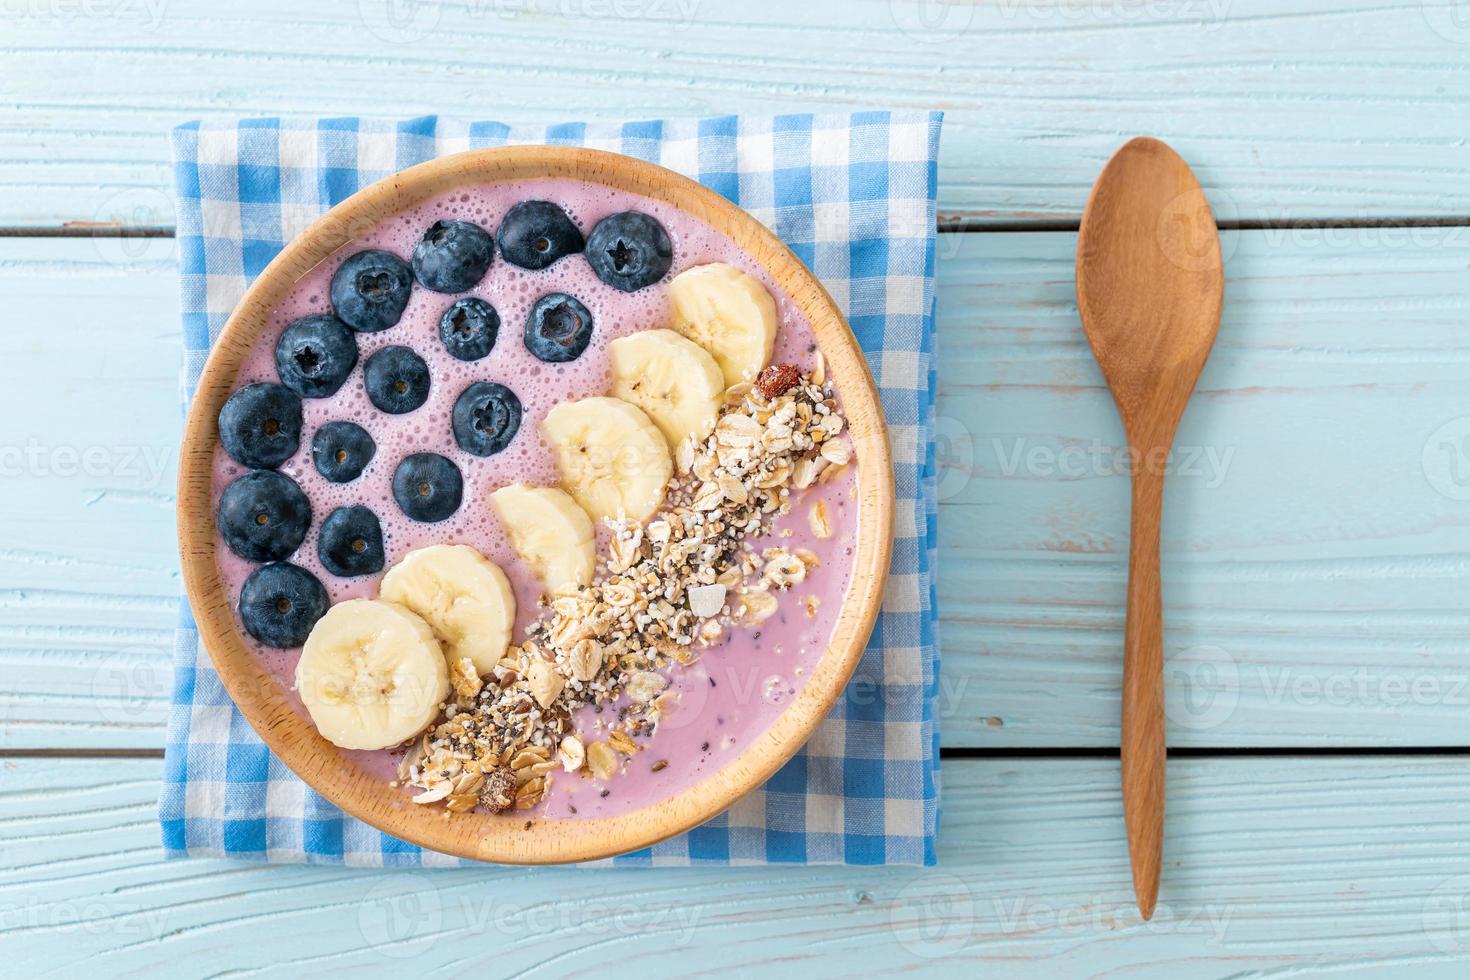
x,y
948,224
955,754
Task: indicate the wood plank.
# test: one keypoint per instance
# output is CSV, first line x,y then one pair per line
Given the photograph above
x,y
88,563
1032,879
1317,516
1315,593
1332,108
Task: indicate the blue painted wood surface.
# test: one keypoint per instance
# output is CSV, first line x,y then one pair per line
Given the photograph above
x,y
1275,868
1303,110
1317,540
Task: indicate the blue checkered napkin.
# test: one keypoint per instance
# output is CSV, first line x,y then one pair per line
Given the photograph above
x,y
853,195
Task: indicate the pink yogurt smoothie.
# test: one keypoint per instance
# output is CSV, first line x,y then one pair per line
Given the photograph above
x,y
737,689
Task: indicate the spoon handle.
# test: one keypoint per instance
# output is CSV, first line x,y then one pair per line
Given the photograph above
x,y
1143,754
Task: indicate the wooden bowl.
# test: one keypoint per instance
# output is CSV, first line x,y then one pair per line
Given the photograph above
x,y
292,737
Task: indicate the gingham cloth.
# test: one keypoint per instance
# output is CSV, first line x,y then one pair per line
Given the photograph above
x,y
853,196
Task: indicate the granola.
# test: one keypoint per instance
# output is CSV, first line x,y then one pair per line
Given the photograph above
x,y
665,591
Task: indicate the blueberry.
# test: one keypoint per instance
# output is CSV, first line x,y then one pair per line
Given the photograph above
x,y
427,487
469,328
558,328
629,250
315,355
260,426
534,234
370,290
342,450
452,256
351,542
263,516
280,603
397,380
486,418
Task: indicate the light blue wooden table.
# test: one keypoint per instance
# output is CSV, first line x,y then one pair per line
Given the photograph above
x,y
1317,535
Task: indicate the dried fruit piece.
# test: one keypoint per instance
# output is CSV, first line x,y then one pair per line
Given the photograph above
x,y
777,379
498,793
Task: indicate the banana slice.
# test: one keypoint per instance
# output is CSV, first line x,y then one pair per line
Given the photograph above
x,y
464,596
550,533
670,377
613,459
371,674
728,313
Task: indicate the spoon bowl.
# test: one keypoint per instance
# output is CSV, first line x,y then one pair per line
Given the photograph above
x,y
1150,283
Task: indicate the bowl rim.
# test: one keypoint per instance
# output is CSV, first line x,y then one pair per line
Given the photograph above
x,y
476,835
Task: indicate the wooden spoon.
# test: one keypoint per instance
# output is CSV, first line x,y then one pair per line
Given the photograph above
x,y
1150,285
